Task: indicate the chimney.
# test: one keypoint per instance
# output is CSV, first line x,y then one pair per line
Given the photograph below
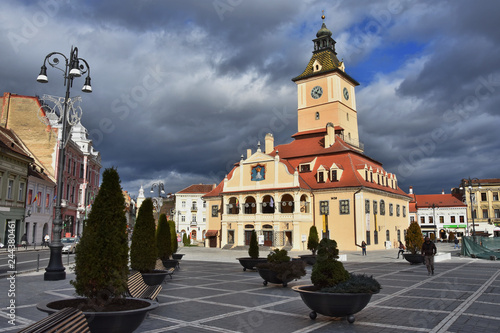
x,y
411,190
330,135
269,143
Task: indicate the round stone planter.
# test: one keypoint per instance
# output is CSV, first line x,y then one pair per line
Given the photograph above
x,y
251,263
155,277
332,304
170,263
414,259
271,276
122,321
309,259
177,256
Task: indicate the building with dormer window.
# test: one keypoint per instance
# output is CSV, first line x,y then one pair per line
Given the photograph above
x,y
321,178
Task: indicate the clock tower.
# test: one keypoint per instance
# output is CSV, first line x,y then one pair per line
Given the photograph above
x,y
326,93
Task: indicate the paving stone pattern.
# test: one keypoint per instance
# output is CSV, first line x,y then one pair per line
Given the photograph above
x,y
218,296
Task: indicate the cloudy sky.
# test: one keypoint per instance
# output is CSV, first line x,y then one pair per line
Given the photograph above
x,y
182,88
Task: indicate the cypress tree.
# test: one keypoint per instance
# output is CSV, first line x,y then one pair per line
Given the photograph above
x,y
253,251
185,240
163,238
101,260
143,252
313,240
175,246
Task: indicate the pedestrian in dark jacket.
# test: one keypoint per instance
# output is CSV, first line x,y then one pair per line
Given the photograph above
x,y
429,251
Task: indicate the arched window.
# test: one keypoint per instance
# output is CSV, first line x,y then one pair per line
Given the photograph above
x,y
234,206
387,235
287,204
304,204
268,205
250,206
382,207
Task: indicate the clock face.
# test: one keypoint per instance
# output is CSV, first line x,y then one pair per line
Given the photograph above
x,y
346,94
316,92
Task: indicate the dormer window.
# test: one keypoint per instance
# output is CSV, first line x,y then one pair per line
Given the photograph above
x,y
316,66
334,176
305,168
321,178
335,172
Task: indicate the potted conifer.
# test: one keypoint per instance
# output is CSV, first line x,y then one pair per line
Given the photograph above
x,y
312,244
334,291
279,269
101,266
143,251
253,251
165,254
414,240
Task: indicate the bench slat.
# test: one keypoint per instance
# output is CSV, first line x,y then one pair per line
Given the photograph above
x,y
67,320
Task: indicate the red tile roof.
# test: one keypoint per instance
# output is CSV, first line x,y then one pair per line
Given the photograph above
x,y
439,200
198,188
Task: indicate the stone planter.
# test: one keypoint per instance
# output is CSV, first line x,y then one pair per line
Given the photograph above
x,y
251,263
177,256
309,259
170,263
271,276
122,321
414,259
332,304
155,277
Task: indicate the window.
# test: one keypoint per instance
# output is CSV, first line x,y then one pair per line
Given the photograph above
x,y
441,219
194,205
485,213
183,204
399,235
21,192
317,115
404,211
367,206
452,219
382,207
67,192
375,237
422,219
47,200
387,235
74,168
483,196
431,219
39,199
497,213
81,170
391,210
334,176
193,218
375,206
366,175
344,207
215,210
305,168
9,189
412,218
398,209
183,218
462,219
495,196
321,177
368,237
204,204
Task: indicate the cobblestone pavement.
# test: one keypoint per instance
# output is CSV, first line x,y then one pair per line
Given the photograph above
x,y
211,293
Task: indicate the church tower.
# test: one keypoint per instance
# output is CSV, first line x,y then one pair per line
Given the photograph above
x,y
140,199
326,93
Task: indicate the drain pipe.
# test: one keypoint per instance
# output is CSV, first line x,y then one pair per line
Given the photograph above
x,y
354,208
314,208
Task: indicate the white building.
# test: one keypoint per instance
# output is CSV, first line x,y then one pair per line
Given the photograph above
x,y
439,214
190,211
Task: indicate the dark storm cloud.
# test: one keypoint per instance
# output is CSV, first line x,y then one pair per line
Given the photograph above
x,y
182,88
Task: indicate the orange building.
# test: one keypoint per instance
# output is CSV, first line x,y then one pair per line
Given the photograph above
x,y
321,178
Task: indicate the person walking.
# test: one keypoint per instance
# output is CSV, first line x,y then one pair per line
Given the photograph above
x,y
46,240
457,243
24,241
402,249
429,251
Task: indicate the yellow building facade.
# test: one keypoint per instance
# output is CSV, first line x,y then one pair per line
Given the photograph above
x,y
321,178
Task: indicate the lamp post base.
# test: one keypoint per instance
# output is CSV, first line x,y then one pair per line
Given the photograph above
x,y
55,271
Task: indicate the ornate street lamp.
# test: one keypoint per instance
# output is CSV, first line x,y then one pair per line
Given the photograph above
x,y
73,67
468,182
158,201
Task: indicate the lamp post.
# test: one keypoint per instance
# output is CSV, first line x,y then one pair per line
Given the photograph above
x,y
73,67
434,206
158,201
468,182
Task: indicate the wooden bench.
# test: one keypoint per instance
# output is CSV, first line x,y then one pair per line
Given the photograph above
x,y
68,320
159,266
139,289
